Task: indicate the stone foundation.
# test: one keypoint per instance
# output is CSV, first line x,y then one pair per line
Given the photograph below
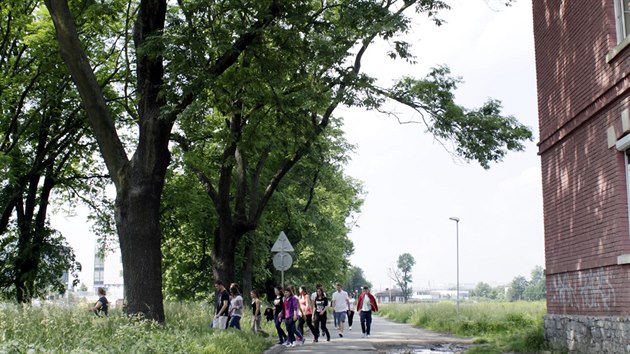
x,y
588,334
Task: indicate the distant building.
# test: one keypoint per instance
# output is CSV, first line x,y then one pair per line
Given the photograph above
x,y
108,273
389,296
396,295
438,295
422,295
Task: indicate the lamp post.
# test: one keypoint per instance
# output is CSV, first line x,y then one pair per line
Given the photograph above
x,y
456,219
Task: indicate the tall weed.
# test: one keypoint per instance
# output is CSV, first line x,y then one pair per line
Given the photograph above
x,y
504,326
55,329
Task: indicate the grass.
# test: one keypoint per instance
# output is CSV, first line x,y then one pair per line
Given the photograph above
x,y
497,326
55,329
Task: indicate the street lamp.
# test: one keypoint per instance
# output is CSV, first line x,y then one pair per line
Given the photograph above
x,y
456,219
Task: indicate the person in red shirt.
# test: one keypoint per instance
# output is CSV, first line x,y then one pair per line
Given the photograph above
x,y
365,305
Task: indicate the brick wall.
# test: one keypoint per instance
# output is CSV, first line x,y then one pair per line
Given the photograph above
x,y
569,62
595,291
580,96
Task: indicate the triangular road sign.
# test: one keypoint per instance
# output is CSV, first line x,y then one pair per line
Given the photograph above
x,y
282,244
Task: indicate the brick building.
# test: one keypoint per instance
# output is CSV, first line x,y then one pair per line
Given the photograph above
x,y
583,65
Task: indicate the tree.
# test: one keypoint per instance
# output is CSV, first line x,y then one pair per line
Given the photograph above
x,y
44,152
536,288
296,93
200,63
356,280
312,206
139,180
402,275
484,291
517,288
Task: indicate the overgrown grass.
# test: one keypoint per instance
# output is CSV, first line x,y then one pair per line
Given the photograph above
x,y
498,326
55,329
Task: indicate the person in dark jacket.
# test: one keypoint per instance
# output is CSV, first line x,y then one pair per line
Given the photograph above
x,y
102,305
278,314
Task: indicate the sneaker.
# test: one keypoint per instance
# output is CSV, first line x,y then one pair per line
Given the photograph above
x,y
350,328
303,340
341,335
292,344
287,344
368,336
363,335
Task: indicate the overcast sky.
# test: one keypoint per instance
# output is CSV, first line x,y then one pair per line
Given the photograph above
x,y
414,185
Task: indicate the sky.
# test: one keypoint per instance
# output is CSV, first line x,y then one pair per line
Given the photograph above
x,y
413,184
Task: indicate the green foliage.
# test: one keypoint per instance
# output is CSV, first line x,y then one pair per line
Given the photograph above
x,y
311,205
45,155
481,134
536,288
503,327
519,289
55,258
356,280
250,89
187,239
77,330
315,216
483,291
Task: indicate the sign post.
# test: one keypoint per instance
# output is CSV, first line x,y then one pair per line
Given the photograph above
x,y
282,260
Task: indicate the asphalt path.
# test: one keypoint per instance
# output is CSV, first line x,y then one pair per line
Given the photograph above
x,y
385,334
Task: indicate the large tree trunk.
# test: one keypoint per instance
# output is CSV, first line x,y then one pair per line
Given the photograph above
x,y
24,275
138,201
137,220
139,181
223,255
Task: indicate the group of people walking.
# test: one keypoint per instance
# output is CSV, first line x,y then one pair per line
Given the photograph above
x,y
229,308
294,310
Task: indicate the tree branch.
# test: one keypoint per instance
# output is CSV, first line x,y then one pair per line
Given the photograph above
x,y
92,96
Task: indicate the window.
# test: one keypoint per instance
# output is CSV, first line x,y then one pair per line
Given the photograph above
x,y
99,262
99,277
622,18
99,270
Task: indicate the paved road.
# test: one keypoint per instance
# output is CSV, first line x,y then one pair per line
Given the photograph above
x,y
384,334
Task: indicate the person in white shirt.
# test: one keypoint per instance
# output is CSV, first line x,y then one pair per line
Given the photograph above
x,y
366,304
351,302
340,304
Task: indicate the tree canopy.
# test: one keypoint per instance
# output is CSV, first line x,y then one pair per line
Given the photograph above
x,y
243,96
